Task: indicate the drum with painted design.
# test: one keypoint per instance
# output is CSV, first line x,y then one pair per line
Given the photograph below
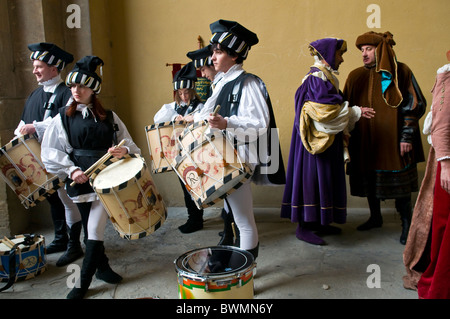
x,y
220,272
30,257
22,169
129,195
209,165
161,139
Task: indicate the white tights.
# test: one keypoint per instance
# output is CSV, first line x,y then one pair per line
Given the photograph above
x,y
72,213
97,221
241,204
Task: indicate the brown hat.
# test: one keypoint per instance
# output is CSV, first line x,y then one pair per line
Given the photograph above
x,y
374,38
386,64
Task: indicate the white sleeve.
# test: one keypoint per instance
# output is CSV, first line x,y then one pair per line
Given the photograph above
x,y
16,131
253,113
166,113
123,134
55,149
41,127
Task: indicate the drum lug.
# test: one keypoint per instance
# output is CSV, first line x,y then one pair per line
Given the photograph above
x,y
225,164
199,171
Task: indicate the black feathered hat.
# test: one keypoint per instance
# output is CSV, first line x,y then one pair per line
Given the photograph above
x,y
185,78
51,54
84,73
234,36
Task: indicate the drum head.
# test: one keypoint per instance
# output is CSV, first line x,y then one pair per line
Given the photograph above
x,y
212,262
118,172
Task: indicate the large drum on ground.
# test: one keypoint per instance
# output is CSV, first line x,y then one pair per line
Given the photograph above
x,y
29,259
209,165
162,144
130,196
220,272
22,169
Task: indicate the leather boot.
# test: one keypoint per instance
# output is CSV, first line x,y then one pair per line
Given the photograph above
x,y
74,250
61,239
194,222
254,251
94,249
104,271
403,206
375,220
195,215
227,234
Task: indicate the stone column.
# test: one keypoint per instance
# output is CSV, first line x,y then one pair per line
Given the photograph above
x,y
23,22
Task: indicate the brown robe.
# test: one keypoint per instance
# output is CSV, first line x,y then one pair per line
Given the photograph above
x,y
375,143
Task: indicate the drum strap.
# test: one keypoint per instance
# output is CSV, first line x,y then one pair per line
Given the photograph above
x,y
48,106
28,240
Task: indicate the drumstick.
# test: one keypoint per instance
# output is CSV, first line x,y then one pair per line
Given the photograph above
x,y
216,110
196,110
102,160
8,242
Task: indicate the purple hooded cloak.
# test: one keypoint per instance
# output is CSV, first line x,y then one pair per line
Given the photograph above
x,y
315,184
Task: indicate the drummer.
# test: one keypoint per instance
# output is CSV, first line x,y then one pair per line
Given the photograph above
x,y
186,103
78,137
203,62
231,43
43,104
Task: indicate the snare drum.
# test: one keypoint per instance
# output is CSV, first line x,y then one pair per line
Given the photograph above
x,y
221,272
130,196
23,170
209,165
30,257
161,138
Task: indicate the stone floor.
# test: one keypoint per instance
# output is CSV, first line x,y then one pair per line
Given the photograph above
x,y
286,267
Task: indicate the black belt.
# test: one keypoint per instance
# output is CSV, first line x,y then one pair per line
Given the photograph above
x,y
92,153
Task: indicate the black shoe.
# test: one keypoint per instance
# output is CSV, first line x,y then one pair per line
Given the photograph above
x,y
74,250
191,226
61,239
104,271
254,251
369,224
108,275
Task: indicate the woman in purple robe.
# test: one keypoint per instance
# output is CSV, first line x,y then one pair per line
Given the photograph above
x,y
315,194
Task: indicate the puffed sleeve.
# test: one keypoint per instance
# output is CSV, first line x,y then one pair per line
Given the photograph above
x,y
55,150
123,134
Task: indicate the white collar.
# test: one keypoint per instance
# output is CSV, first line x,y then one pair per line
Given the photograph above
x,y
233,72
444,69
84,109
52,84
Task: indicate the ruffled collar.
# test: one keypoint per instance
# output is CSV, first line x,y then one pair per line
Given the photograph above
x,y
444,69
52,84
